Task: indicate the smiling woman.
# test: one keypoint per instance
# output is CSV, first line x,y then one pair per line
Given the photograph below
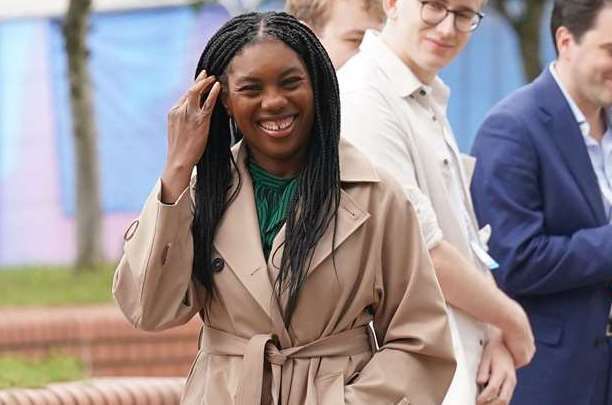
x,y
272,104
284,243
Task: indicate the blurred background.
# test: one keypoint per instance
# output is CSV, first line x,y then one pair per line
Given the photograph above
x,y
142,56
138,57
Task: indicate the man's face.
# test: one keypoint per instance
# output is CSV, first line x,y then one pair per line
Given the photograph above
x,y
590,61
348,20
428,48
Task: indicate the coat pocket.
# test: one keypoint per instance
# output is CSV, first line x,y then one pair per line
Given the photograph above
x,y
330,389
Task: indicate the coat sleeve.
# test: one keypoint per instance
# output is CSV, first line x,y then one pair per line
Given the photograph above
x,y
415,363
152,283
507,195
376,132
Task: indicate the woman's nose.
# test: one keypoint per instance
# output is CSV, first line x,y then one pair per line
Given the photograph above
x,y
273,100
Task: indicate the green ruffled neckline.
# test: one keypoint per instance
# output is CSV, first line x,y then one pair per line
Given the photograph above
x,y
273,196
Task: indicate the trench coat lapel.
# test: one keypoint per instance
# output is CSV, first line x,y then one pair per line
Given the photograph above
x,y
239,243
349,218
354,168
238,240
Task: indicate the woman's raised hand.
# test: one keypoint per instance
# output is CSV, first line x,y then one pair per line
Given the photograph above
x,y
188,128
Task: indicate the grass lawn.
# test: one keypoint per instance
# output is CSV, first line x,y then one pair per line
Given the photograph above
x,y
25,373
53,286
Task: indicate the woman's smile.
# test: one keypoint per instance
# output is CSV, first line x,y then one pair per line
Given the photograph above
x,y
279,127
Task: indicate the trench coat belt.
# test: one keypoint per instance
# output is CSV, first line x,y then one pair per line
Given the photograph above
x,y
262,349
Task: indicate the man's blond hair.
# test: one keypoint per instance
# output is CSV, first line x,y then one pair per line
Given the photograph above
x,y
315,13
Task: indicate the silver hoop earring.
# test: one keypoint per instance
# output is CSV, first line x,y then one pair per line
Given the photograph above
x,y
234,136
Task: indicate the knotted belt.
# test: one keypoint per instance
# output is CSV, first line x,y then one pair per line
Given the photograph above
x,y
262,349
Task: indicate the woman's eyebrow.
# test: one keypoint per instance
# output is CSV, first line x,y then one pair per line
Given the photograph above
x,y
246,79
249,78
292,70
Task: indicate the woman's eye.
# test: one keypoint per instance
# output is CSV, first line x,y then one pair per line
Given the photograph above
x,y
249,89
292,83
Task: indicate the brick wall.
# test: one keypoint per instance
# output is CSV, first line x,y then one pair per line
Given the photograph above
x,y
102,338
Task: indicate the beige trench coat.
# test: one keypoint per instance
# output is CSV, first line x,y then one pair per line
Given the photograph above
x,y
382,273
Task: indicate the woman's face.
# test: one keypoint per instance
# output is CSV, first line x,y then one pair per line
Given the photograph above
x,y
269,95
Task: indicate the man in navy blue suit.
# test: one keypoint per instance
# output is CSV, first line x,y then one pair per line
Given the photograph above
x,y
543,180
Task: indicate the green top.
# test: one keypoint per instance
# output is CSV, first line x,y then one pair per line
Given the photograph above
x,y
272,198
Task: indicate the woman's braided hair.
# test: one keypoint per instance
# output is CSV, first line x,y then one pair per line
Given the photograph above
x,y
317,198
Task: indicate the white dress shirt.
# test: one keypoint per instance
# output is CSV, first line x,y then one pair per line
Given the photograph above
x,y
401,125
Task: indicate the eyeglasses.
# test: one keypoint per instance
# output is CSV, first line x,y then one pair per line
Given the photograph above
x,y
434,12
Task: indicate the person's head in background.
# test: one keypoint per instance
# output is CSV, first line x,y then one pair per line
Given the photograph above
x,y
582,35
428,35
339,24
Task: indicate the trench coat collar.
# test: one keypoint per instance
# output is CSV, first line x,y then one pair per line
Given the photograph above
x,y
238,241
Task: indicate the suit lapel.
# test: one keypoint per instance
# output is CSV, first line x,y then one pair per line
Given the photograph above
x,y
569,140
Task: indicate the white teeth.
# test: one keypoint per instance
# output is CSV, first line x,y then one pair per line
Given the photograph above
x,y
277,125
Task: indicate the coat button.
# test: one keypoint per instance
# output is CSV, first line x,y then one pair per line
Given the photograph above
x,y
218,264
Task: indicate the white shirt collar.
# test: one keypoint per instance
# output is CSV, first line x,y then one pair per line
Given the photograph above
x,y
404,80
585,128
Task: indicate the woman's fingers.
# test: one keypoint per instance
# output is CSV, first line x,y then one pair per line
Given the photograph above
x,y
211,99
185,96
194,95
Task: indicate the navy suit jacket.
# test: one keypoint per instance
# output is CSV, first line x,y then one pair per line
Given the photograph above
x,y
534,183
